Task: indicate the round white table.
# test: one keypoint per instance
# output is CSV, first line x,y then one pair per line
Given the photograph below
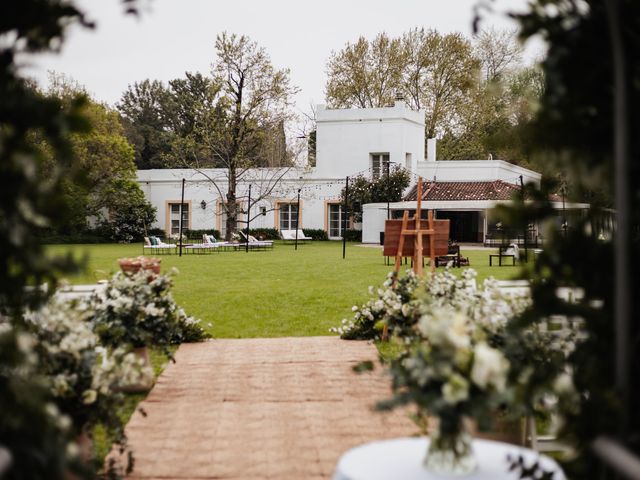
x,y
401,459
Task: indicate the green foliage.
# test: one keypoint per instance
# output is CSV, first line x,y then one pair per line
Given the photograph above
x,y
31,427
353,235
431,70
316,233
477,97
573,131
130,212
35,194
144,111
191,234
110,196
385,188
138,309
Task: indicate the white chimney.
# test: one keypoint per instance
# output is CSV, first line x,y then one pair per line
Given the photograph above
x,y
431,149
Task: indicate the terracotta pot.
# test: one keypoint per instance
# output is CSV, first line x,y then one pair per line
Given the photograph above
x,y
129,265
133,265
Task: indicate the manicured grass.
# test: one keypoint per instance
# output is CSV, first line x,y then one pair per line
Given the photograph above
x,y
274,293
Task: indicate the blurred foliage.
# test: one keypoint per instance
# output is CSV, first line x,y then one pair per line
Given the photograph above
x,y
573,133
32,198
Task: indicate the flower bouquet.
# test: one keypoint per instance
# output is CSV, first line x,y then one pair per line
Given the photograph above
x,y
450,372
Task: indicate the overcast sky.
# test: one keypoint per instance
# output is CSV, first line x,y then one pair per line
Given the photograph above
x,y
172,36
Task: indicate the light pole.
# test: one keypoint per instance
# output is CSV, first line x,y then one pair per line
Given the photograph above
x,y
248,218
297,218
344,219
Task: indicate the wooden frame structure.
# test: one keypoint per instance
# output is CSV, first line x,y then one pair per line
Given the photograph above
x,y
413,229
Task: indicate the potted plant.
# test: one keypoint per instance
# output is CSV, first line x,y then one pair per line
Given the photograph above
x,y
133,265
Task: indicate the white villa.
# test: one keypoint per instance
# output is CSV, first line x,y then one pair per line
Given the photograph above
x,y
349,142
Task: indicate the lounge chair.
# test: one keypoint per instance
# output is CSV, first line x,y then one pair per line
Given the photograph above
x,y
156,245
254,242
290,236
211,242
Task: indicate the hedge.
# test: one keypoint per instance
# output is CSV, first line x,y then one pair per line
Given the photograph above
x,y
353,235
316,234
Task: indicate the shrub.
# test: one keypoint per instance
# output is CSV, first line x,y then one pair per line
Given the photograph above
x,y
353,235
90,236
156,232
138,309
400,302
265,233
316,234
197,234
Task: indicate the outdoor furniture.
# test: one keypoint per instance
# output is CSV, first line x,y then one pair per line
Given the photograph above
x,y
157,246
453,255
290,236
402,458
505,251
254,243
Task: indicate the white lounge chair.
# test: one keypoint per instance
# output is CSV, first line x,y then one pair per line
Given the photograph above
x,y
254,242
290,236
302,236
157,246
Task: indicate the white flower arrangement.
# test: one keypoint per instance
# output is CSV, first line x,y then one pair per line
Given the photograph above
x,y
138,309
82,375
399,303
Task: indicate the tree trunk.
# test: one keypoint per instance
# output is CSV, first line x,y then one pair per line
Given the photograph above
x,y
232,206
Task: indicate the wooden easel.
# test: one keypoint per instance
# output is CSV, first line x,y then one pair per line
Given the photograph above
x,y
417,233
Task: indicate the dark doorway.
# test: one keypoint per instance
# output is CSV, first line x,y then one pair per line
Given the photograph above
x,y
464,226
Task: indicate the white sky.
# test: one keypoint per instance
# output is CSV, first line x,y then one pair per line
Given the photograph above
x,y
174,36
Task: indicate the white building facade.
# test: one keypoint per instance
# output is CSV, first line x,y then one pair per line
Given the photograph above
x,y
349,142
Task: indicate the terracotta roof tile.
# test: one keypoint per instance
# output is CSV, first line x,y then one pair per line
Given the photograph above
x,y
461,191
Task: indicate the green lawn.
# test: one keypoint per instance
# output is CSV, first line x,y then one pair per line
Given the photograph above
x,y
280,292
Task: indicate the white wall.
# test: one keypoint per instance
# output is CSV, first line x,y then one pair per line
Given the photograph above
x,y
476,170
347,137
373,217
163,186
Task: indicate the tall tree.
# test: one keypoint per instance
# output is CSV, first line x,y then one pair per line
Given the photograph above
x,y
365,74
144,109
104,159
252,105
499,52
431,70
442,71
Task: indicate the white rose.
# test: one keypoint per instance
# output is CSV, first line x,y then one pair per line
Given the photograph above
x,y
455,390
490,368
563,384
89,396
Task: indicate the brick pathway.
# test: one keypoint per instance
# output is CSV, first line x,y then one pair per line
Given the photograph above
x,y
283,408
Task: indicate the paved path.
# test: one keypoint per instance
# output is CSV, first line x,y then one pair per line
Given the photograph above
x,y
283,408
